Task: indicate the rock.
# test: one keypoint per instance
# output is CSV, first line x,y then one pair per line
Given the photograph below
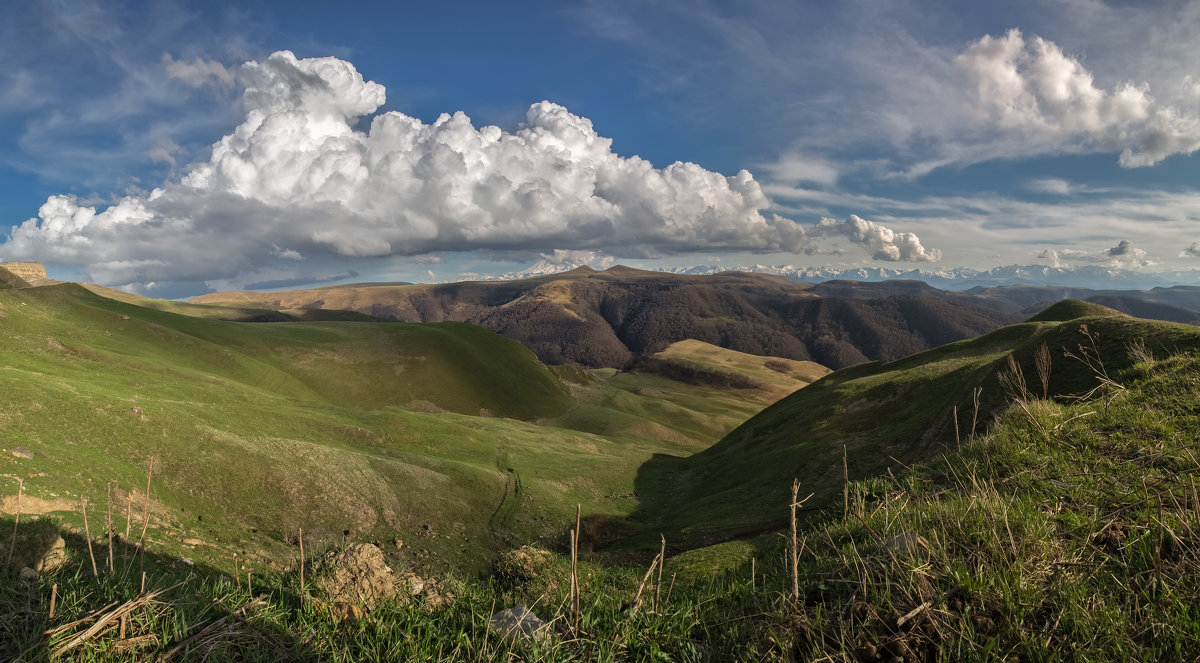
x,y
434,596
23,453
519,623
55,557
357,576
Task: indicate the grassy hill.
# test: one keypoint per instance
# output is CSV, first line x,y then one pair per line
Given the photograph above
x,y
610,318
885,415
1067,529
368,430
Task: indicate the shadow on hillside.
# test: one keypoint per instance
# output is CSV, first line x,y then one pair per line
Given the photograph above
x,y
29,633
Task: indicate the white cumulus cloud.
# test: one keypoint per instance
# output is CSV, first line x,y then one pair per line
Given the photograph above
x,y
881,242
1032,89
299,182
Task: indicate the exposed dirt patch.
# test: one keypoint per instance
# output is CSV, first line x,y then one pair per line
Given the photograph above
x,y
35,505
357,576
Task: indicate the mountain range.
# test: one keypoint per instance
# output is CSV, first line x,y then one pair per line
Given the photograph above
x,y
949,278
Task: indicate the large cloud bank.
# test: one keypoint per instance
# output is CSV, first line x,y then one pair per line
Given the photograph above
x,y
1032,89
298,183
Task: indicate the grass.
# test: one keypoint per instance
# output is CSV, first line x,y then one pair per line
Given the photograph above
x,y
1067,530
887,416
352,430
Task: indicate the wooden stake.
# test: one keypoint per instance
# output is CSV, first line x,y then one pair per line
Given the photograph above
x,y
88,533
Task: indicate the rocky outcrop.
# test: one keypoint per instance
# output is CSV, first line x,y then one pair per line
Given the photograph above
x,y
29,271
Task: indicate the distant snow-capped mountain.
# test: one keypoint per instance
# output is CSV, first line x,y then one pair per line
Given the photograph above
x,y
950,278
964,278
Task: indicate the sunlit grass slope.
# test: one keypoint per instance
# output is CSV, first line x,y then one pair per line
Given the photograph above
x,y
1067,530
882,417
378,428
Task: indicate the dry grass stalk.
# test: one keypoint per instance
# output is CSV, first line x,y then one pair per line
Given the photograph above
x,y
137,642
845,483
1089,355
753,575
83,620
795,558
957,439
108,528
87,531
575,568
794,551
145,517
12,544
637,598
53,598
1042,361
237,572
975,417
913,613
662,554
1013,381
302,592
670,588
102,621
207,630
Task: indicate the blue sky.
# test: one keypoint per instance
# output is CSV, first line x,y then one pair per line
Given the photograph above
x,y
179,147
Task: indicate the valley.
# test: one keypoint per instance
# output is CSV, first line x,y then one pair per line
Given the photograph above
x,y
449,446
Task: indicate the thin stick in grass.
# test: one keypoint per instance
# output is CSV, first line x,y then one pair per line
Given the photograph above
x,y
662,555
145,518
302,592
975,416
53,598
108,528
12,544
957,439
637,598
845,483
795,561
87,531
753,575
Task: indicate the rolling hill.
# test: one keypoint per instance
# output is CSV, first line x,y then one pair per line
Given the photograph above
x,y
445,435
610,318
886,416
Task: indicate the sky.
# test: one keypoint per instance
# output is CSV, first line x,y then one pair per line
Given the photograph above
x,y
174,148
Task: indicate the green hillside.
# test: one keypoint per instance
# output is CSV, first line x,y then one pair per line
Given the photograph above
x,y
328,426
886,416
1068,529
367,430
